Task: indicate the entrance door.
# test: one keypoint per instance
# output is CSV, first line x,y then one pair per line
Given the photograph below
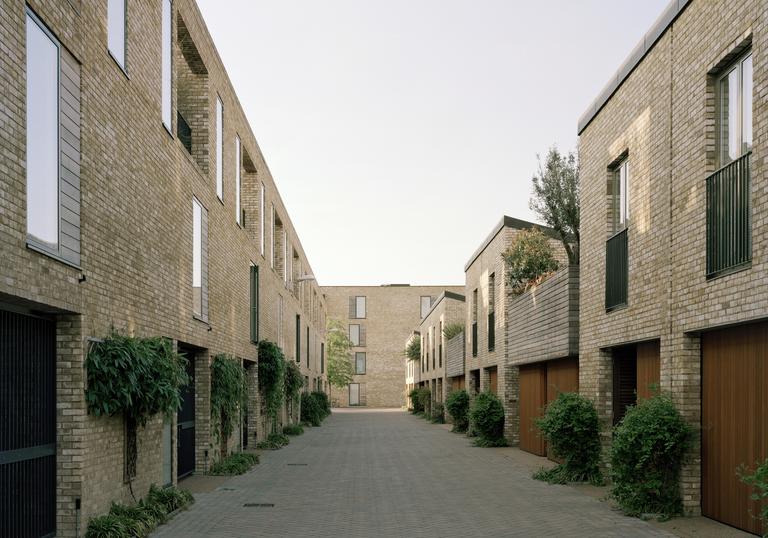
x,y
533,397
493,380
185,434
27,426
354,394
734,420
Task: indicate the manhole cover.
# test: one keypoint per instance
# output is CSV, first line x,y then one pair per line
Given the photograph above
x,y
258,505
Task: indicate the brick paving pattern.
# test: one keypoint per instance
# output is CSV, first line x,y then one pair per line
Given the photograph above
x,y
371,473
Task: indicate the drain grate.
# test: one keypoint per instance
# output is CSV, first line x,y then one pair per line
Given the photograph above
x,y
259,505
298,464
225,489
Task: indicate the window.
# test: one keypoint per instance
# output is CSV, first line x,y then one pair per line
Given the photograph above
x,y
308,346
254,296
166,67
359,362
474,323
116,14
735,110
359,308
426,304
219,149
238,164
621,195
491,311
298,338
354,334
440,345
322,357
198,217
280,341
261,218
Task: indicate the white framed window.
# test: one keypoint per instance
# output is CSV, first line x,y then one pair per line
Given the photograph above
x,y
42,135
262,205
197,257
359,362
219,148
426,304
166,64
354,334
116,22
238,164
735,110
360,307
621,195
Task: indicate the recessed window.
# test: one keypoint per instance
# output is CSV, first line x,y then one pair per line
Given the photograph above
x,y
261,218
116,15
354,334
360,307
426,304
42,136
254,297
359,362
197,257
238,164
735,110
166,67
219,148
621,182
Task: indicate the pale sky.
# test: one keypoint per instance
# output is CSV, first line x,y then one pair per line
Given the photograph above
x,y
400,131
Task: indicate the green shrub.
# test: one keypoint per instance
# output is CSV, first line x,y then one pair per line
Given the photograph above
x,y
324,402
293,381
572,430
413,349
234,464
452,329
172,498
293,429
414,397
457,405
137,520
646,456
314,407
487,416
274,441
528,259
438,413
272,367
759,482
424,398
229,394
108,526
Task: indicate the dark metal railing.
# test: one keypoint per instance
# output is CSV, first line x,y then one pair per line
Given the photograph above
x,y
729,226
616,270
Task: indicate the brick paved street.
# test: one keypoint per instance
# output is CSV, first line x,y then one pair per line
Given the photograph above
x,y
392,474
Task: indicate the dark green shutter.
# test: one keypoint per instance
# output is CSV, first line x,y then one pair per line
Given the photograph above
x,y
254,304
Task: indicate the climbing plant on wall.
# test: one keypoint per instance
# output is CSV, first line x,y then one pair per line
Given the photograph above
x,y
229,391
272,367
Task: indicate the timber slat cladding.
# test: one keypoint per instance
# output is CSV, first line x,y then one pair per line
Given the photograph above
x,y
734,420
533,397
562,376
648,369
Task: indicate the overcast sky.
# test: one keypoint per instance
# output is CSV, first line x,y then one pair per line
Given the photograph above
x,y
400,131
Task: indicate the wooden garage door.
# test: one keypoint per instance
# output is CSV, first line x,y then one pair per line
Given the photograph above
x,y
562,376
493,380
533,394
734,420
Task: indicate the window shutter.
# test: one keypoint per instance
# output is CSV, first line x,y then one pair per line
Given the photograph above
x,y
254,304
352,307
362,335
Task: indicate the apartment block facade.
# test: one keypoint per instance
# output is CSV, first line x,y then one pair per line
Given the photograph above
x,y
379,320
674,294
134,197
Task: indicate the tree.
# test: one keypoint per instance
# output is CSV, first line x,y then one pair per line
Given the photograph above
x,y
556,198
338,346
413,349
529,259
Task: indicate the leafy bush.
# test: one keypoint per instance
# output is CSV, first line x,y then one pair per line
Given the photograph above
x,y
293,429
529,259
414,397
314,407
759,482
413,349
424,398
293,380
272,367
487,416
646,457
572,430
453,329
108,526
235,464
457,405
438,413
137,519
138,377
324,402
229,394
273,442
172,498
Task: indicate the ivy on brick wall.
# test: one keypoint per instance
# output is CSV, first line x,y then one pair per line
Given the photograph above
x,y
272,367
293,381
229,392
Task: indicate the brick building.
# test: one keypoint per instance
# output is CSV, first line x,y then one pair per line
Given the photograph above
x,y
674,246
134,196
379,319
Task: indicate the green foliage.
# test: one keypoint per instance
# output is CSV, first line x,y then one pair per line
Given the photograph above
x,y
413,349
647,453
487,416
572,430
529,259
338,349
457,405
293,381
138,377
314,407
324,402
758,480
235,464
229,394
556,198
420,400
293,429
453,329
274,441
272,367
438,413
140,519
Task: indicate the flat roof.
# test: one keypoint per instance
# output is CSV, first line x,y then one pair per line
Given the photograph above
x,y
445,295
508,222
665,20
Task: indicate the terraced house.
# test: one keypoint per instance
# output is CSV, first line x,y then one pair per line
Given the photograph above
x,y
134,196
674,251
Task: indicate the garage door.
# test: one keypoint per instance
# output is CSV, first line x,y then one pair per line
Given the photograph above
x,y
734,420
533,397
27,426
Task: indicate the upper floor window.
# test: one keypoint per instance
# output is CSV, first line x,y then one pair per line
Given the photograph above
x,y
359,363
426,304
354,334
238,165
735,110
219,148
199,226
116,15
621,195
261,218
166,64
357,307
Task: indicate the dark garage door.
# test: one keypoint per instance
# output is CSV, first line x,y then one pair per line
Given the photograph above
x,y
27,426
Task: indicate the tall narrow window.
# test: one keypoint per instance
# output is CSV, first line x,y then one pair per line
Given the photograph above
x,y
621,195
274,238
360,307
298,338
42,136
285,257
308,346
474,323
492,312
262,205
354,334
238,163
166,61
116,15
280,342
322,357
254,304
426,304
735,110
219,149
197,258
360,362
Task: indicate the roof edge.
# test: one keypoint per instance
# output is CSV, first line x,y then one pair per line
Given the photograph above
x,y
508,222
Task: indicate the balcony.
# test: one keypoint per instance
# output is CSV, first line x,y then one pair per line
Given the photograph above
x,y
729,226
616,271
